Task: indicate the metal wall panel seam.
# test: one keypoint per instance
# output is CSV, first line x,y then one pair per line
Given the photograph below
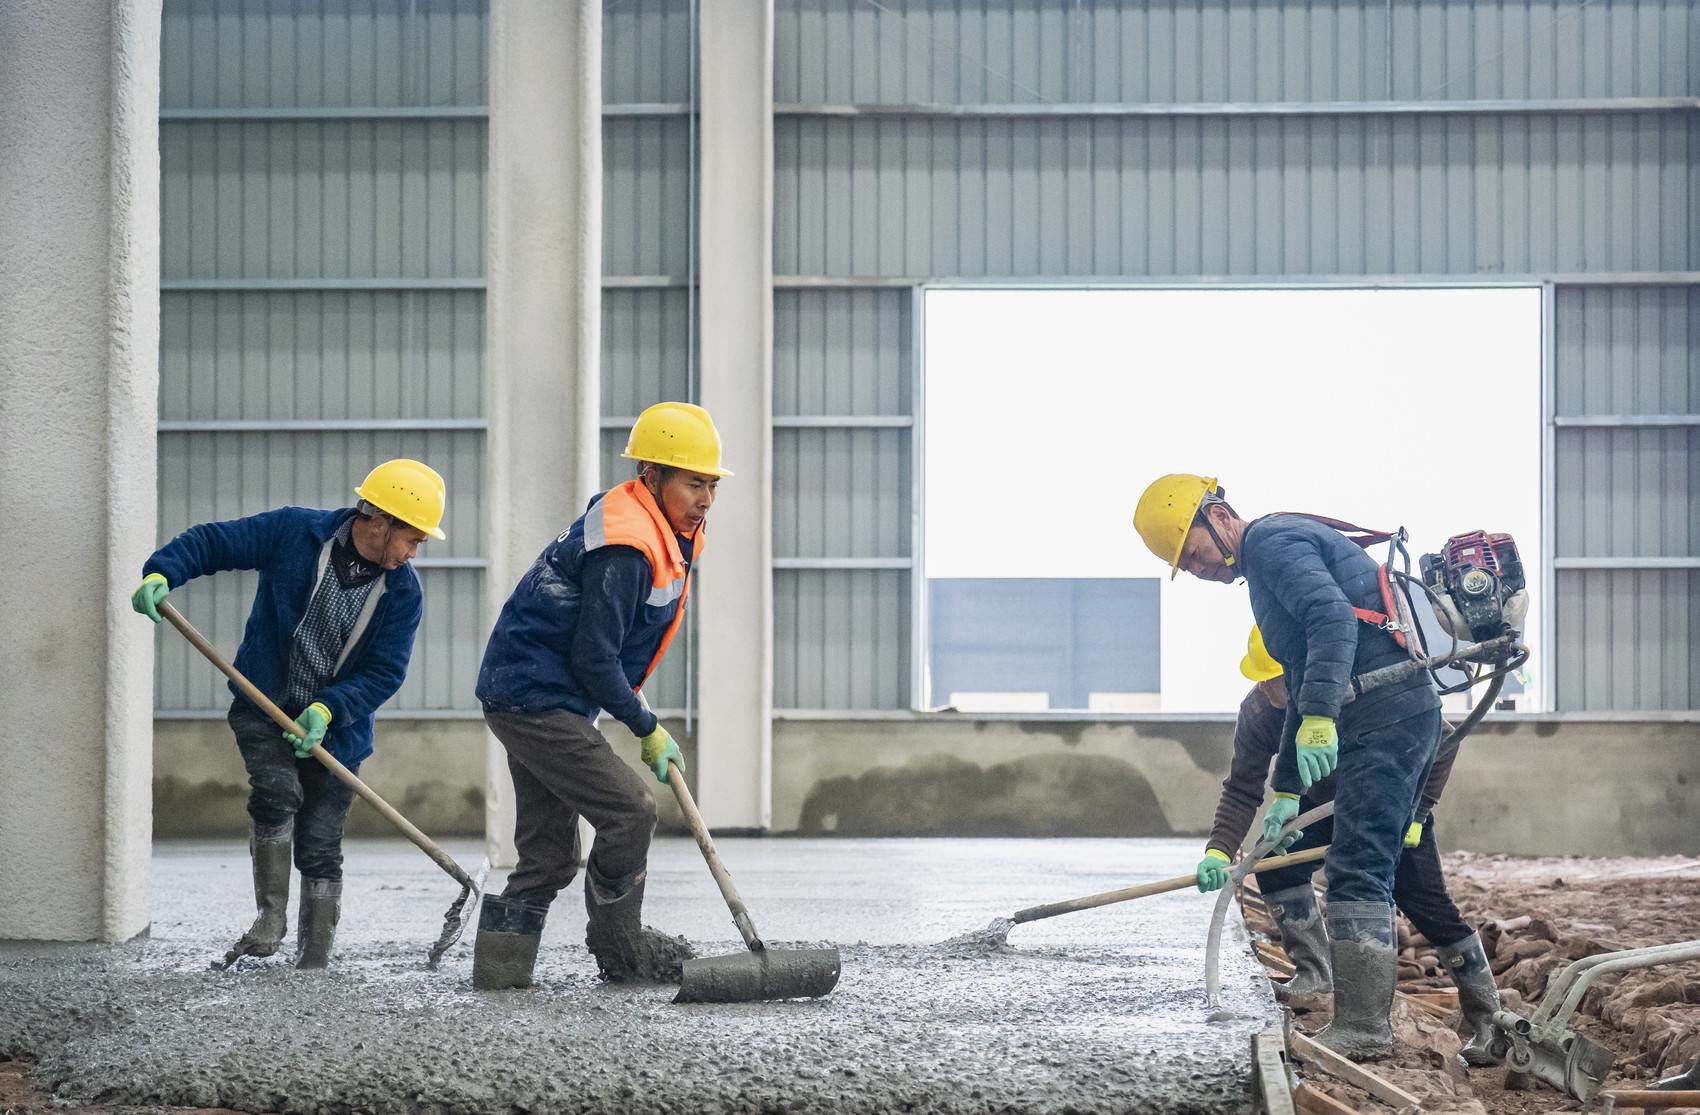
x,y
1335,281
327,284
304,112
314,425
1557,106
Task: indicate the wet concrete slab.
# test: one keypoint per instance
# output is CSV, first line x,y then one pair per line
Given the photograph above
x,y
1096,1011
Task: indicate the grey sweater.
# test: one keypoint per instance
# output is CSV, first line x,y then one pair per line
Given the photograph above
x,y
1257,738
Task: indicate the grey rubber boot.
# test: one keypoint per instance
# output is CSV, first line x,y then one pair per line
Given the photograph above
x,y
505,952
1683,1081
1306,941
625,949
1365,962
315,921
272,866
1478,996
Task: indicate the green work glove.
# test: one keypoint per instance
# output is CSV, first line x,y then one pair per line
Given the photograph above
x,y
658,750
148,594
1212,873
1414,834
1284,809
1318,749
313,721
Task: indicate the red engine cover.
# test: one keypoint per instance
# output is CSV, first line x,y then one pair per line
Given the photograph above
x,y
1478,549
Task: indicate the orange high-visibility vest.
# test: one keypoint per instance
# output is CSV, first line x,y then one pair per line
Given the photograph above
x,y
628,516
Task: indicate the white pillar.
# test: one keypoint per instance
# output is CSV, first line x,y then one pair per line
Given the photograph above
x,y
735,636
544,302
79,365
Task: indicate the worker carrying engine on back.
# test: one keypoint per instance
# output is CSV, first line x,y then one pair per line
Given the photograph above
x,y
1309,586
1419,885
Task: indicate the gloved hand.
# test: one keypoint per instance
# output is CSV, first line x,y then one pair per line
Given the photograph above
x,y
658,750
313,721
148,594
1283,809
1212,871
1414,834
1318,749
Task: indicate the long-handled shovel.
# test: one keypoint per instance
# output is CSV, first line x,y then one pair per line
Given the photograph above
x,y
762,973
460,911
996,934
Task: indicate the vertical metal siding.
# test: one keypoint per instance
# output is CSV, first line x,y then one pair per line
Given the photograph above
x,y
263,201
1624,637
1179,51
841,639
646,48
1247,196
646,168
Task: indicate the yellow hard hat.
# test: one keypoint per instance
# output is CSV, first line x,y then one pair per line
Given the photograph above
x,y
678,435
409,491
1258,664
1165,513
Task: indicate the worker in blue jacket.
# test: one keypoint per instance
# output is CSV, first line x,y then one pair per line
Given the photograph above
x,y
1313,593
585,626
328,640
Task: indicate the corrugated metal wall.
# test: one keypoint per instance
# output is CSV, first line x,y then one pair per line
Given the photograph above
x,y
1263,141
322,304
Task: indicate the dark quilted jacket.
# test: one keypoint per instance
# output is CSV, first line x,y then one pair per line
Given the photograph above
x,y
1305,579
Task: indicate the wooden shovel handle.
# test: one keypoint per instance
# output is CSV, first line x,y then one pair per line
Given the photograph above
x,y
1144,890
265,704
705,842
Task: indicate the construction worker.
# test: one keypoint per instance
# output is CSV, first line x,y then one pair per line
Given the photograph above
x,y
588,622
328,640
1419,886
1308,583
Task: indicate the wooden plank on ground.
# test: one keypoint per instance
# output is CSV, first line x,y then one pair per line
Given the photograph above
x,y
1625,1099
1335,1065
1438,1010
1274,1085
1310,1101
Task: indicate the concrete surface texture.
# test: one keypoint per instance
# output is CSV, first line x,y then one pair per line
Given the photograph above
x,y
79,357
1097,1011
911,776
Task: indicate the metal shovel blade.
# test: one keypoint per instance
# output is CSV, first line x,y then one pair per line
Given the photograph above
x,y
752,977
1578,1066
459,915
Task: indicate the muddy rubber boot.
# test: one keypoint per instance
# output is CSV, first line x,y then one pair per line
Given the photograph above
x,y
1366,966
626,950
505,952
272,865
1478,996
315,921
1305,939
1683,1081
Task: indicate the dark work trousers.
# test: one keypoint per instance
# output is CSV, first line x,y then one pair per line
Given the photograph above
x,y
282,788
1381,771
563,767
1419,887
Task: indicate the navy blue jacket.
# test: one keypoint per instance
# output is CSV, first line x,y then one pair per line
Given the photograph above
x,y
1305,578
284,545
578,633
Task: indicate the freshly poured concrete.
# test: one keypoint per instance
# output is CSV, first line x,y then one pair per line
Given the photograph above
x,y
1097,1011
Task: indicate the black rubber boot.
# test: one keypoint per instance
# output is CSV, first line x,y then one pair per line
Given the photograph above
x,y
315,921
272,865
625,949
1478,996
1366,966
505,952
1306,941
1683,1081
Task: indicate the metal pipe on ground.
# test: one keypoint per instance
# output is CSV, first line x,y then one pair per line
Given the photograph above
x,y
460,911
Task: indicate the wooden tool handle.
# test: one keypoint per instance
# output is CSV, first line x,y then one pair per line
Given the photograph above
x,y
1144,890
281,718
722,878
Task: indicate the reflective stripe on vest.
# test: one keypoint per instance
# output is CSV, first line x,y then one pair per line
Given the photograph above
x,y
628,516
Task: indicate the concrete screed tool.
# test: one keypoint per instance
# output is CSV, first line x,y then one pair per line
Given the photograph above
x,y
762,973
460,911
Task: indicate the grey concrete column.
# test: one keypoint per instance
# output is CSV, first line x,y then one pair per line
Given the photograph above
x,y
79,389
544,301
735,635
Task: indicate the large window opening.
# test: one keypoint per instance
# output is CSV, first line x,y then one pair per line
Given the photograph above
x,y
1048,411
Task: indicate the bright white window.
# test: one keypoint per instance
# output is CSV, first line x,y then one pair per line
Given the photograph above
x,y
1048,411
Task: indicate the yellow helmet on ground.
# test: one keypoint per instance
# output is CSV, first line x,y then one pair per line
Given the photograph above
x,y
1258,664
407,490
678,435
1165,513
